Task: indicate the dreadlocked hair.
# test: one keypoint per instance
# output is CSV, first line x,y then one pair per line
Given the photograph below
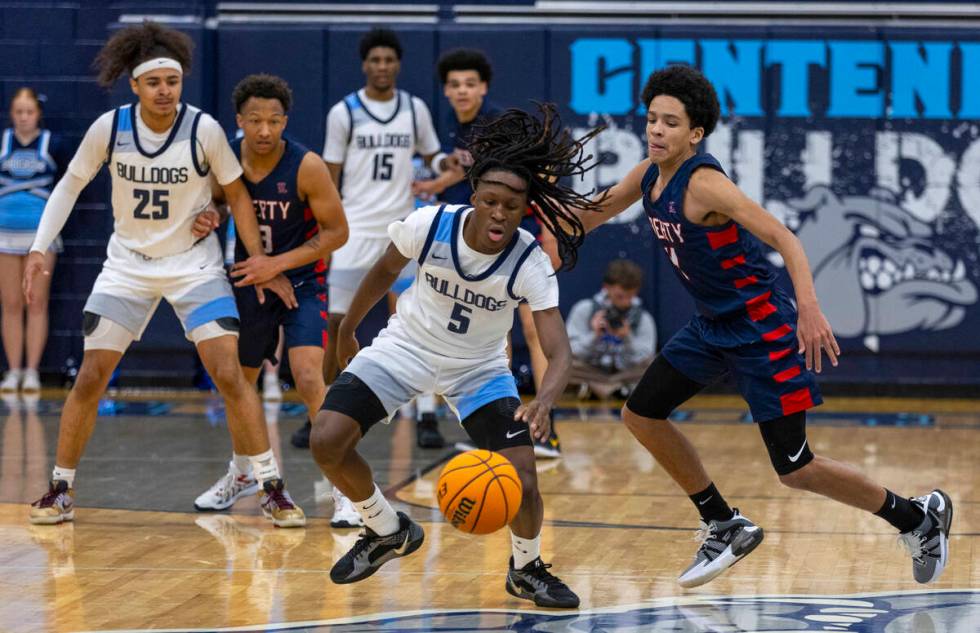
x,y
541,152
134,45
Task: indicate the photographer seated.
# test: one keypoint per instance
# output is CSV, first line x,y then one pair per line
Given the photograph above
x,y
612,337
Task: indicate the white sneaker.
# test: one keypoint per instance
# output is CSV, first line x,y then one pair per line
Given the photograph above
x,y
344,513
226,491
31,382
11,381
271,389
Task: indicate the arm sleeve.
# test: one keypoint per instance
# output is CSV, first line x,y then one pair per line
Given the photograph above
x,y
81,170
643,342
427,141
580,334
536,282
338,128
56,210
409,235
217,151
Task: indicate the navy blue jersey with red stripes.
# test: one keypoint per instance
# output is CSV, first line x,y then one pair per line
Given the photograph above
x,y
285,220
723,267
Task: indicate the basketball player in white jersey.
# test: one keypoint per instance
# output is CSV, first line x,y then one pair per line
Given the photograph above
x,y
372,135
449,335
160,153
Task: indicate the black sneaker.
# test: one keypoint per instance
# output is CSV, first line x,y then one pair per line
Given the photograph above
x,y
534,582
427,432
301,436
371,551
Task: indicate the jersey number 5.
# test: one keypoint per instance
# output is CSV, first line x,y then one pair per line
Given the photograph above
x,y
458,321
156,197
382,166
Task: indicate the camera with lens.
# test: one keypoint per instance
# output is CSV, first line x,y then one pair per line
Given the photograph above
x,y
615,317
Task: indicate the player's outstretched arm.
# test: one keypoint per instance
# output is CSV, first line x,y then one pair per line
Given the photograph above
x,y
554,344
375,285
616,199
711,190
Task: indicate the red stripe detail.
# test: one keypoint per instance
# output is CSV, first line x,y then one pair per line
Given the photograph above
x,y
733,262
758,299
746,281
320,266
783,353
717,239
799,400
761,311
787,374
307,214
778,333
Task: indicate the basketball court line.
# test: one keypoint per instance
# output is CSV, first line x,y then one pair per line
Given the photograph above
x,y
859,613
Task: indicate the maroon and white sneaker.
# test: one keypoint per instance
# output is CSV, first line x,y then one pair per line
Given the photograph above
x,y
56,506
226,491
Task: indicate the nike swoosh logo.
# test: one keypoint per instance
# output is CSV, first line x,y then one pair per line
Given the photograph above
x,y
370,506
437,257
120,144
893,502
400,550
793,458
701,503
374,515
510,435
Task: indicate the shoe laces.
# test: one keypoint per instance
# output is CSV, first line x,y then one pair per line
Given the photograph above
x,y
540,572
55,490
278,495
704,533
914,543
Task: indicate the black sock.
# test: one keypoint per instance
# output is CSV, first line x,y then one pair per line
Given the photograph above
x,y
711,505
904,515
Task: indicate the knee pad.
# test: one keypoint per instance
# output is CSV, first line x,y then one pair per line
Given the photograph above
x,y
786,441
213,329
101,333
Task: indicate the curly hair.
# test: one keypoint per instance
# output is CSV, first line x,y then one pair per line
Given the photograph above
x,y
541,152
465,59
689,86
134,45
264,87
380,37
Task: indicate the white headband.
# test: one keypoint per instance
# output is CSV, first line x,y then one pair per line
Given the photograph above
x,y
159,62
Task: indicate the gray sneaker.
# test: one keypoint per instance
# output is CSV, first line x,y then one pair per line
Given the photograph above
x,y
371,551
723,543
929,543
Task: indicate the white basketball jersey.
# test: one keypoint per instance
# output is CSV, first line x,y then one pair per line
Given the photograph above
x,y
458,313
156,195
378,170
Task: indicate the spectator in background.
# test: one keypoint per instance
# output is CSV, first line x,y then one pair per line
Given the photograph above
x,y
28,171
613,338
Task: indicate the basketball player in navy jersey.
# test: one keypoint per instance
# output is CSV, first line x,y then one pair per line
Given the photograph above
x,y
301,222
745,324
449,336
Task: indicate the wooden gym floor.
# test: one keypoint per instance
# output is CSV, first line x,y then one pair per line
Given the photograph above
x,y
616,529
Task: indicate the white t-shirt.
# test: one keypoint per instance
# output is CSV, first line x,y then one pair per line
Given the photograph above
x,y
375,141
156,197
465,317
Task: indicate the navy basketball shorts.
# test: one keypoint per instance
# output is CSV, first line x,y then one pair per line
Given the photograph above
x,y
304,326
760,353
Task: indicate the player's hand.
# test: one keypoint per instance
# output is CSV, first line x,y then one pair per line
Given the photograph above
x,y
463,159
205,222
599,323
814,334
282,287
256,269
537,415
347,346
32,268
426,189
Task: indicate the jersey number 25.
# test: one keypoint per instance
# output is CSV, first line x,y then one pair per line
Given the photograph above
x,y
160,209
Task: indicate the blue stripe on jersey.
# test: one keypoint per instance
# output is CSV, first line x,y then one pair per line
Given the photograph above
x,y
444,233
124,123
220,308
352,102
495,389
430,236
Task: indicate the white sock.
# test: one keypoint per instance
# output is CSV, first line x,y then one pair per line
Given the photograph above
x,y
378,513
525,549
264,466
425,403
64,474
241,464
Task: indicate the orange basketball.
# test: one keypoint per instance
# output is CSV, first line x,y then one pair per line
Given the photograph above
x,y
479,492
